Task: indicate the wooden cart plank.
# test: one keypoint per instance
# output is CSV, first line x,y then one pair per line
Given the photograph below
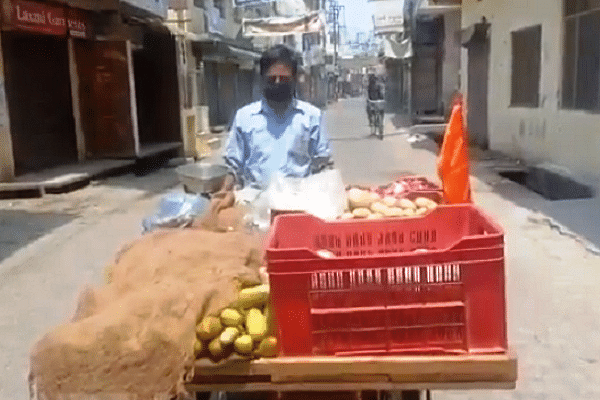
x,y
342,386
230,379
456,368
398,369
232,367
492,371
355,365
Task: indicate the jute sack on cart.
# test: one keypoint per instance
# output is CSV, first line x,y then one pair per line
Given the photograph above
x,y
135,335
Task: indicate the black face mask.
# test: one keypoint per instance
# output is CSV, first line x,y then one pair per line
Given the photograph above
x,y
279,92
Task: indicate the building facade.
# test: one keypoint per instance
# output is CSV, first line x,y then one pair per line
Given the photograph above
x,y
424,60
83,80
218,69
532,82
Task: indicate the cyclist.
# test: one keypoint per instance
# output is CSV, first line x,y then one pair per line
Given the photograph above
x,y
375,92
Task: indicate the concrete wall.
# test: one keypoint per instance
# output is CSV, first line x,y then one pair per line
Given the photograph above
x,y
546,134
195,119
451,62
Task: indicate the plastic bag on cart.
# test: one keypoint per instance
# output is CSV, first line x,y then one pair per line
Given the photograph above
x,y
175,210
322,195
255,203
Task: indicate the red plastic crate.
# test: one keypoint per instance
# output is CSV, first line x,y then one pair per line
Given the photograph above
x,y
424,285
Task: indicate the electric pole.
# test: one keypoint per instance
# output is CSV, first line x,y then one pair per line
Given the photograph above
x,y
334,12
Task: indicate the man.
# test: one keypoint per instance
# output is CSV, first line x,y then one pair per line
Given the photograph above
x,y
276,133
375,91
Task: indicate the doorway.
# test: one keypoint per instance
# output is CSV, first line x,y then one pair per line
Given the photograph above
x,y
478,52
426,80
105,98
221,79
156,91
38,89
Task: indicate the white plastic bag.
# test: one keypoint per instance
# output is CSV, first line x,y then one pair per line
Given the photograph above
x,y
322,195
175,210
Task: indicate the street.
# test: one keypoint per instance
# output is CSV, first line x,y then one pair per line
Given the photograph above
x,y
51,247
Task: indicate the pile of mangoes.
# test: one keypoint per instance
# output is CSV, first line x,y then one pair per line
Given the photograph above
x,y
244,328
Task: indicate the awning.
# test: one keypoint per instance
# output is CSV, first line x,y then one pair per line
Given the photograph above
x,y
243,53
145,11
398,50
219,49
98,5
438,10
280,26
214,47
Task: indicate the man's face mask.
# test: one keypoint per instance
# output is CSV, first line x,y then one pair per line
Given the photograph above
x,y
279,92
279,85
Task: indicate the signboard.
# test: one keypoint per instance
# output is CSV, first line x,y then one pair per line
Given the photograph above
x,y
50,20
40,18
283,26
388,16
78,24
387,23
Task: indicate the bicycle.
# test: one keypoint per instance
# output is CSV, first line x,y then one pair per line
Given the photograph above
x,y
375,111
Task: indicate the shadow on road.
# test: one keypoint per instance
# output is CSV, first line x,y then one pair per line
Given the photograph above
x,y
581,217
159,180
19,228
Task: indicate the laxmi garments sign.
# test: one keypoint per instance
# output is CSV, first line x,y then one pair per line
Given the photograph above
x,y
51,20
39,18
77,24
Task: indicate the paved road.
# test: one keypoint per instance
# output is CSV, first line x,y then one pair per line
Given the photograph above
x,y
74,236
20,227
552,281
360,157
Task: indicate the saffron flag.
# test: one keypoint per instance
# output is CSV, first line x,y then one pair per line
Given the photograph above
x,y
453,160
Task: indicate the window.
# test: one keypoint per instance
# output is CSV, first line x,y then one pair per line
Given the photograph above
x,y
220,5
526,59
199,3
581,55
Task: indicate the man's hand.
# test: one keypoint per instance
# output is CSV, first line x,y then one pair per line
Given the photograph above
x,y
220,200
228,184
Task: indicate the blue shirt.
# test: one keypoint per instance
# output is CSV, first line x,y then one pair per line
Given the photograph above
x,y
261,143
